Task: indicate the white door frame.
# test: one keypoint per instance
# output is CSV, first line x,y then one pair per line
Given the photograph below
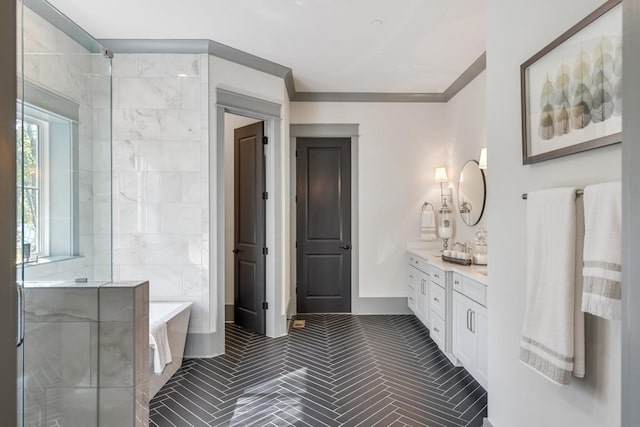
x,y
236,103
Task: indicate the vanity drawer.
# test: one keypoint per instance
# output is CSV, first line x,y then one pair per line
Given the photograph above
x,y
474,290
438,330
419,263
437,300
457,282
470,288
438,276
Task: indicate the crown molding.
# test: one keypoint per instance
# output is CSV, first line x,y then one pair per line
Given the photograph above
x,y
229,53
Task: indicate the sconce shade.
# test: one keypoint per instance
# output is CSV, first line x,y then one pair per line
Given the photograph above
x,y
483,159
441,175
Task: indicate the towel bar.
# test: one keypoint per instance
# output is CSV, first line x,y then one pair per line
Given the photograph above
x,y
578,193
427,204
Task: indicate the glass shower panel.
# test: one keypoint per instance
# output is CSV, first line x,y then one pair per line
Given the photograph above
x,y
63,129
65,153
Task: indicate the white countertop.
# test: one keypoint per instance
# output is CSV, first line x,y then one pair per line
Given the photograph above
x,y
475,272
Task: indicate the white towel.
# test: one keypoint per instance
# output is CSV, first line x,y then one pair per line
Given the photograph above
x,y
428,225
603,250
159,341
551,327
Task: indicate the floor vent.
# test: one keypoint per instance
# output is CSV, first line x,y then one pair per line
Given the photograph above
x,y
298,323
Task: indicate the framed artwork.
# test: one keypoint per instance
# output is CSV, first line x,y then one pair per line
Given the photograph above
x,y
572,89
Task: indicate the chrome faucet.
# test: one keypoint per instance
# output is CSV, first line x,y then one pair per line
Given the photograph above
x,y
463,245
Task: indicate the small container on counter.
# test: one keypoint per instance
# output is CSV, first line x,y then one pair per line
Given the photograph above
x,y
480,247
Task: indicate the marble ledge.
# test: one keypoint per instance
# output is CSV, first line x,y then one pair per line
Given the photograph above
x,y
433,255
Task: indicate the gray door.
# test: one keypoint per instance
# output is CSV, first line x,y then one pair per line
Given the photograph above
x,y
323,174
250,238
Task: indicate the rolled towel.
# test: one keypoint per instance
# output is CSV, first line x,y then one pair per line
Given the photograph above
x,y
602,270
428,225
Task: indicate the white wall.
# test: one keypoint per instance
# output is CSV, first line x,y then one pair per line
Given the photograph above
x,y
400,146
466,118
517,396
231,122
161,197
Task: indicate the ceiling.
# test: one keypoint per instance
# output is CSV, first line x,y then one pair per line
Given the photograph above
x,y
331,45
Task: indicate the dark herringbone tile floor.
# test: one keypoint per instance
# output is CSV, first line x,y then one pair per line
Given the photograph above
x,y
340,370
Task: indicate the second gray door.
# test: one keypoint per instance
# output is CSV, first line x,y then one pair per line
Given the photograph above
x,y
323,174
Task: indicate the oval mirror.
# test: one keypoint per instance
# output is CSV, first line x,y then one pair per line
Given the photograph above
x,y
471,193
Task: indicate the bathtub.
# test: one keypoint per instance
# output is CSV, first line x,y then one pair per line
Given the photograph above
x,y
176,315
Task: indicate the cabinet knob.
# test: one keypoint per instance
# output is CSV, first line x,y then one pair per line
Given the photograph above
x,y
436,299
456,282
436,329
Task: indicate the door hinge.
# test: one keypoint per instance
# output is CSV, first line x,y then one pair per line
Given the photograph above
x,y
265,305
296,245
265,140
296,153
265,251
296,198
265,195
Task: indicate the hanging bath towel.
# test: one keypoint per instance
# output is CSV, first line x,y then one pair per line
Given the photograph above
x,y
603,250
428,225
553,331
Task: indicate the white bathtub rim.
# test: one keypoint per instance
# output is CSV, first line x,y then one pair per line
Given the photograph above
x,y
179,307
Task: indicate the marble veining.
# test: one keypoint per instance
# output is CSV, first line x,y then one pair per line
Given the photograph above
x,y
161,159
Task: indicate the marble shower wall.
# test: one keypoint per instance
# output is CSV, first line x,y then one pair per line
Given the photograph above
x,y
161,174
56,62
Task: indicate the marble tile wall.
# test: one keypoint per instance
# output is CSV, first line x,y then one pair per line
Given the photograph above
x,y
58,63
86,356
161,172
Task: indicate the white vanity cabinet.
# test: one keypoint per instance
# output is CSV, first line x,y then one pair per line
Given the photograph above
x,y
440,307
419,289
470,338
411,288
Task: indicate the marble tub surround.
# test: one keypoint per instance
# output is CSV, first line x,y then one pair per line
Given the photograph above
x,y
161,176
86,354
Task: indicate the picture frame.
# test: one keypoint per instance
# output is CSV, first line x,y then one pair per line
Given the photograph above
x,y
571,90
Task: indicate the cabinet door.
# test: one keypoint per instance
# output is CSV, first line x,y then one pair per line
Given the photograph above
x,y
420,297
422,300
482,345
412,284
463,336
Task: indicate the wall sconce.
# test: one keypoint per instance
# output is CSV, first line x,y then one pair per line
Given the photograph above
x,y
441,176
445,220
483,159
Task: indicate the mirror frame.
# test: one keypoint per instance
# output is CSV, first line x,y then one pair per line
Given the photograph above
x,y
484,195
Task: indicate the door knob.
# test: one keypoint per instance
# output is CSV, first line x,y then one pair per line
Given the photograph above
x,y
345,247
236,251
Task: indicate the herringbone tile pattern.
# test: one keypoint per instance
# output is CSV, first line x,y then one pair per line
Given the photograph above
x,y
340,370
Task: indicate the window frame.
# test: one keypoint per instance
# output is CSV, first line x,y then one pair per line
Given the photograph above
x,y
58,144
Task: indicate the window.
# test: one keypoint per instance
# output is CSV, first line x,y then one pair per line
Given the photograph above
x,y
31,180
47,179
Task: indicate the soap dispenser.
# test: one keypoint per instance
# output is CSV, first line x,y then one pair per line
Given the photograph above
x,y
480,247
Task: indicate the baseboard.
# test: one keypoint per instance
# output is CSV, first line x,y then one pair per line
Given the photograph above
x,y
228,313
204,346
380,306
487,423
